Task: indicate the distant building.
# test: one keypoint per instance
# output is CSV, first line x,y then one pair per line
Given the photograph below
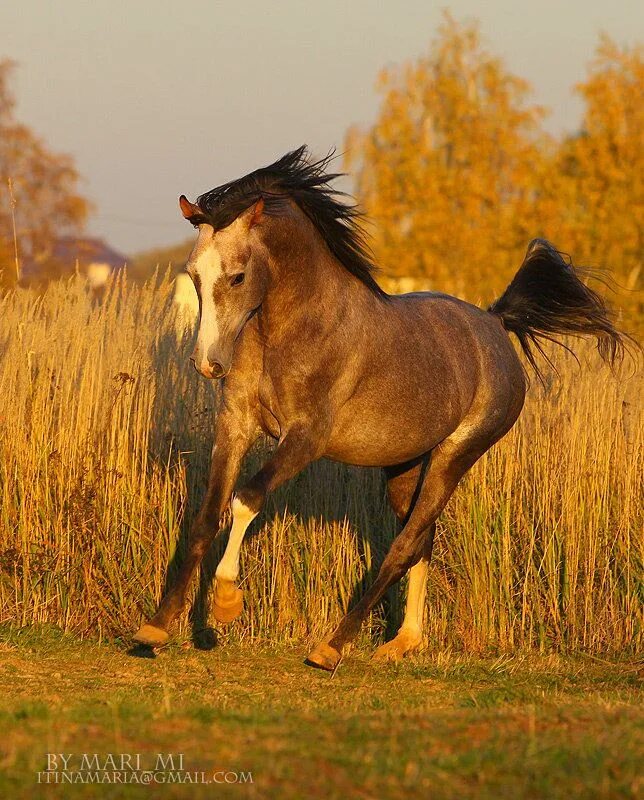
x,y
91,256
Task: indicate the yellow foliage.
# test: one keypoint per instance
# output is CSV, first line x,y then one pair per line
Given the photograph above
x,y
446,171
44,190
598,175
458,174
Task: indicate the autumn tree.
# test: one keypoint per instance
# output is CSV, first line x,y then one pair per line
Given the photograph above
x,y
596,182
46,199
446,172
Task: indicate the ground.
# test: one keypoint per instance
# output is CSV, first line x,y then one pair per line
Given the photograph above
x,y
437,725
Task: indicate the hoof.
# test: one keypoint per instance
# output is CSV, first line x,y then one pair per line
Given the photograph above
x,y
324,657
404,644
151,635
229,601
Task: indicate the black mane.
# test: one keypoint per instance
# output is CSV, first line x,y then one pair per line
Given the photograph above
x,y
307,184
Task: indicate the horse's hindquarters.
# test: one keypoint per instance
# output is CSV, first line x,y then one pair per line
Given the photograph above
x,y
436,363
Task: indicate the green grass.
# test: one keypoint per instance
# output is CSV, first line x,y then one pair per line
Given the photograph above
x,y
440,725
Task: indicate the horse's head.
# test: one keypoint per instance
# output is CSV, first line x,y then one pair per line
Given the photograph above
x,y
230,273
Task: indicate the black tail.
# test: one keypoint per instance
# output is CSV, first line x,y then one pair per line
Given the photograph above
x,y
547,298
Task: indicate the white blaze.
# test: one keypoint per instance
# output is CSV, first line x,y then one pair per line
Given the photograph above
x,y
205,263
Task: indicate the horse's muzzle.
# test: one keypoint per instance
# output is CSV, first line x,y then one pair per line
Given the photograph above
x,y
212,370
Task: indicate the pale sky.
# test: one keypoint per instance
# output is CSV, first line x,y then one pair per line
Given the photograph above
x,y
155,99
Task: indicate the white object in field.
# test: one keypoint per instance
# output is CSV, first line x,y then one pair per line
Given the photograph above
x,y
186,300
98,275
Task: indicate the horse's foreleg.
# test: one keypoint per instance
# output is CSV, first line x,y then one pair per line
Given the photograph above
x,y
297,449
228,596
232,442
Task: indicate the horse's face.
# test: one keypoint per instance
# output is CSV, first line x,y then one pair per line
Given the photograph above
x,y
229,271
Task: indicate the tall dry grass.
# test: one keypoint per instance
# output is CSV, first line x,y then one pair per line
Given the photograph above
x,y
105,433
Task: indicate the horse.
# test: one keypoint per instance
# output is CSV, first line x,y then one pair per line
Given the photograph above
x,y
313,352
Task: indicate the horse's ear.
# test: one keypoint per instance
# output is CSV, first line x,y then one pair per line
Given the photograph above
x,y
188,209
256,213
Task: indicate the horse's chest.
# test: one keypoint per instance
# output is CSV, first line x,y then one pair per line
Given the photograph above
x,y
285,396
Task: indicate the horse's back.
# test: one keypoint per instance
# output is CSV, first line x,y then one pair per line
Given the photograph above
x,y
473,338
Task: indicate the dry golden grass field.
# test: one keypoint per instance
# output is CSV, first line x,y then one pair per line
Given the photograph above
x,y
535,592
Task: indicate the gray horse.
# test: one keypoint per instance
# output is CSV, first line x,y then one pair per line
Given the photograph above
x,y
315,354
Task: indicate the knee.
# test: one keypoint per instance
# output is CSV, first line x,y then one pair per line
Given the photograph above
x,y
200,540
202,528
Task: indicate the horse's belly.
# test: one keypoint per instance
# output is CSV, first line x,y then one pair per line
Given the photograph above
x,y
369,456
369,439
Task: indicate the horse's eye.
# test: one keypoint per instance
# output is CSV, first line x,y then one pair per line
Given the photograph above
x,y
238,279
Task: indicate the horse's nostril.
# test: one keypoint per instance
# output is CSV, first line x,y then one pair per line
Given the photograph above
x,y
217,369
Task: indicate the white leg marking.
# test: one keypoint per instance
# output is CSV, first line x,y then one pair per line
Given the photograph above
x,y
228,567
415,608
410,635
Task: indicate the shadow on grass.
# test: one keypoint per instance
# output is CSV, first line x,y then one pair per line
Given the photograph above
x,y
141,651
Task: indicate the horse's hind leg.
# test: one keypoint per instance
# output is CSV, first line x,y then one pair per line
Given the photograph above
x,y
410,636
449,462
402,489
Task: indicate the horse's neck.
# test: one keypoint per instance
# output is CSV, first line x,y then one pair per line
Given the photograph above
x,y
311,285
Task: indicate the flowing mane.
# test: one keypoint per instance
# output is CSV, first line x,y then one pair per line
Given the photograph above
x,y
307,183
